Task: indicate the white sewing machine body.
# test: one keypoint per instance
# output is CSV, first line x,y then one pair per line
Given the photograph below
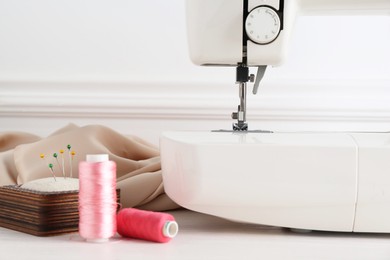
x,y
215,28
316,181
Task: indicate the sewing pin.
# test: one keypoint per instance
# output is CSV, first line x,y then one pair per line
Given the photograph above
x,y
63,164
73,153
55,155
42,155
70,160
52,171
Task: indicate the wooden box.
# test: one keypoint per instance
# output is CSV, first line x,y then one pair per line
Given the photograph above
x,y
39,213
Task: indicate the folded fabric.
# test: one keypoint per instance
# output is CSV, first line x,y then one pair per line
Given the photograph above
x,y
138,162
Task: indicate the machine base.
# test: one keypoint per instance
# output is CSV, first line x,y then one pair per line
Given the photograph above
x,y
314,181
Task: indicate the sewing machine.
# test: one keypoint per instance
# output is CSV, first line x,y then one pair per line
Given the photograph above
x,y
314,181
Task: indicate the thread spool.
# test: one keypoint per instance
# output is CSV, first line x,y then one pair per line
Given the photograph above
x,y
97,198
146,225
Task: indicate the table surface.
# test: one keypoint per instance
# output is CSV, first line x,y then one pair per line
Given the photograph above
x,y
203,237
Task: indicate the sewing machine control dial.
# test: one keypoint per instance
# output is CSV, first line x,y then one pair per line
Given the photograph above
x,y
262,25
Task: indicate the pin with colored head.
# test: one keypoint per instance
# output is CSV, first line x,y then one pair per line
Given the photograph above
x,y
55,155
62,162
42,156
52,171
71,155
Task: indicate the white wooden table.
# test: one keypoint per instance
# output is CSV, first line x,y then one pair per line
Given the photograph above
x,y
202,237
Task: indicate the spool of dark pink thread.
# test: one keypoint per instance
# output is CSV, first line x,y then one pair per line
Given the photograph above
x,y
147,225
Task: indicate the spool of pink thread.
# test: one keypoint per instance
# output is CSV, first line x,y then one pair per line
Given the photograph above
x,y
146,225
97,198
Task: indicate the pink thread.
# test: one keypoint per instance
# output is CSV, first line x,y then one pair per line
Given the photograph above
x,y
147,225
97,200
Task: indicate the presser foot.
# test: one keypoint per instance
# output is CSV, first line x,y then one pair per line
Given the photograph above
x,y
240,116
240,126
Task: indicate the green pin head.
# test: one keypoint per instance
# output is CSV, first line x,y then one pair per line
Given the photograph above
x,y
51,166
69,146
55,155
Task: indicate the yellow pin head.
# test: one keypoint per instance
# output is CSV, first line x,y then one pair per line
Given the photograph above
x,y
42,155
61,151
73,153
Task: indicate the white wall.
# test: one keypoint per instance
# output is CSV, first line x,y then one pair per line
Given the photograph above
x,y
125,64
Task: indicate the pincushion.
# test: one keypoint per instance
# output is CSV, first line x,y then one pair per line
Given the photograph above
x,y
43,207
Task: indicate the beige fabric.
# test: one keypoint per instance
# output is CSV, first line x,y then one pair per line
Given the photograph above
x,y
138,163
